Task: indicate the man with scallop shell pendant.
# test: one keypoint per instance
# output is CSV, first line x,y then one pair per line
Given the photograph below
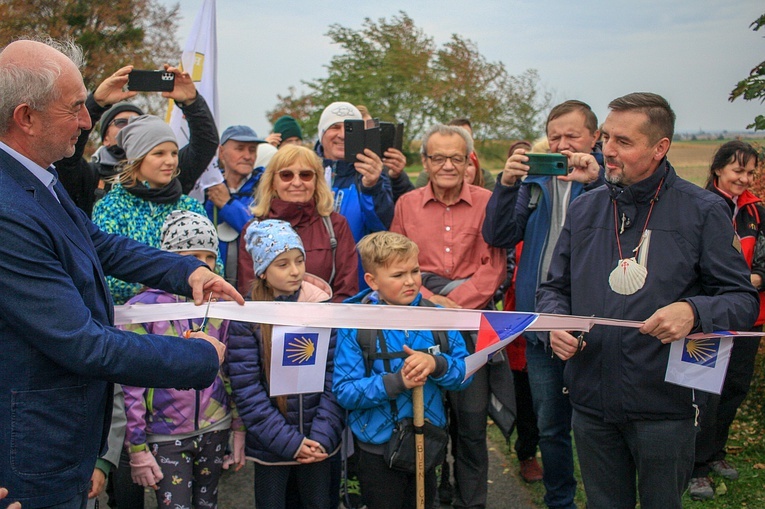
x,y
628,422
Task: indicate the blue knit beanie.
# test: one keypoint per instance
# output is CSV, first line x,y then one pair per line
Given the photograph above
x,y
266,240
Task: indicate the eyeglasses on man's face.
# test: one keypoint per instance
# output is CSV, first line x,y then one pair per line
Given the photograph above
x,y
439,160
289,175
119,123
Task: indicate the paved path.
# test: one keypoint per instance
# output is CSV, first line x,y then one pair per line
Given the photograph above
x,y
506,490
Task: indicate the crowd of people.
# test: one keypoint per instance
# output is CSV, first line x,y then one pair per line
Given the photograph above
x,y
85,404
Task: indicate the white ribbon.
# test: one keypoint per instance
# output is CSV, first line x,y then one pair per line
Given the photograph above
x,y
347,316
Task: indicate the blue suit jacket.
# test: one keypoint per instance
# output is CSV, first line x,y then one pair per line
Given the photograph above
x,y
59,352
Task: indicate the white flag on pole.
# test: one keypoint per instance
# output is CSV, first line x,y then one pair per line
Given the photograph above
x,y
298,359
200,59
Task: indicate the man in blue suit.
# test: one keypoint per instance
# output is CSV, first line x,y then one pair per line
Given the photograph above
x,y
60,351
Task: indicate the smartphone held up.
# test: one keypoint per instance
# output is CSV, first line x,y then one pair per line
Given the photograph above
x,y
372,134
547,164
150,81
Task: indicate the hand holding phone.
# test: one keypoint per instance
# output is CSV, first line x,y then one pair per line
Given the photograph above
x,y
582,167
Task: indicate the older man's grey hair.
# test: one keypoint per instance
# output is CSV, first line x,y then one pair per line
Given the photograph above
x,y
446,130
34,83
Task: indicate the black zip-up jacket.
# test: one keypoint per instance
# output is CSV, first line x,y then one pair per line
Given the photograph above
x,y
692,257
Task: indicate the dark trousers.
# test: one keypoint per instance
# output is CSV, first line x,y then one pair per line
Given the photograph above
x,y
720,410
526,420
659,454
123,492
385,488
312,481
469,409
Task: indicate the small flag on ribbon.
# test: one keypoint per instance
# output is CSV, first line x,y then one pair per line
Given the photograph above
x,y
298,359
700,363
497,330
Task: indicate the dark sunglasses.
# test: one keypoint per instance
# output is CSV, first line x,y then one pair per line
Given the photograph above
x,y
119,122
289,175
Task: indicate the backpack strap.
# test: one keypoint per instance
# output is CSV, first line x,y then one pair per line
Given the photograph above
x,y
368,339
536,194
441,336
332,243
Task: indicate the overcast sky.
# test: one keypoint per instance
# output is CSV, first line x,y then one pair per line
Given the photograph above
x,y
692,52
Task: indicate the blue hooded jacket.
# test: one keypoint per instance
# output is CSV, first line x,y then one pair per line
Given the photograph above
x,y
366,396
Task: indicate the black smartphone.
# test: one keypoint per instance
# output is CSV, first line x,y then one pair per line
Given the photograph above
x,y
547,164
391,136
387,135
358,137
150,81
398,140
354,139
372,139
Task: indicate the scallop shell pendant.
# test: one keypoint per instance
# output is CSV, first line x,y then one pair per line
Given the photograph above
x,y
628,277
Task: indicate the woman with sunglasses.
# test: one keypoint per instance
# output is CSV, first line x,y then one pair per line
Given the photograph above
x,y
293,189
146,190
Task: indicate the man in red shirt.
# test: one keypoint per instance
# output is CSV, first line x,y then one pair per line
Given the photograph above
x,y
459,270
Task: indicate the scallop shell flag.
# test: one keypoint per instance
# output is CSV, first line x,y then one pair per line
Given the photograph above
x,y
497,330
700,363
298,360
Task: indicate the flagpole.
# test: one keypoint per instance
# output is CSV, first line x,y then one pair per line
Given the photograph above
x,y
418,403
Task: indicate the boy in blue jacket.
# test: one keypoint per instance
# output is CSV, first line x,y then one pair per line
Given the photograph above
x,y
392,271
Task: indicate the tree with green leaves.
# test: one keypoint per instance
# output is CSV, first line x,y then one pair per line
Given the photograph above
x,y
112,33
396,70
753,87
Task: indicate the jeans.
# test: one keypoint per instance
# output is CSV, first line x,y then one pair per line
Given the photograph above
x,y
553,410
78,502
611,455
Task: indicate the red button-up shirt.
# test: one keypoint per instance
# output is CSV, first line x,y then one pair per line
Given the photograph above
x,y
450,241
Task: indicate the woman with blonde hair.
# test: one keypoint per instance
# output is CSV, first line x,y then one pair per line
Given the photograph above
x,y
293,189
146,191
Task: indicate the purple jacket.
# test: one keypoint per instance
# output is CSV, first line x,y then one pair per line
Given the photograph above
x,y
274,438
172,411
